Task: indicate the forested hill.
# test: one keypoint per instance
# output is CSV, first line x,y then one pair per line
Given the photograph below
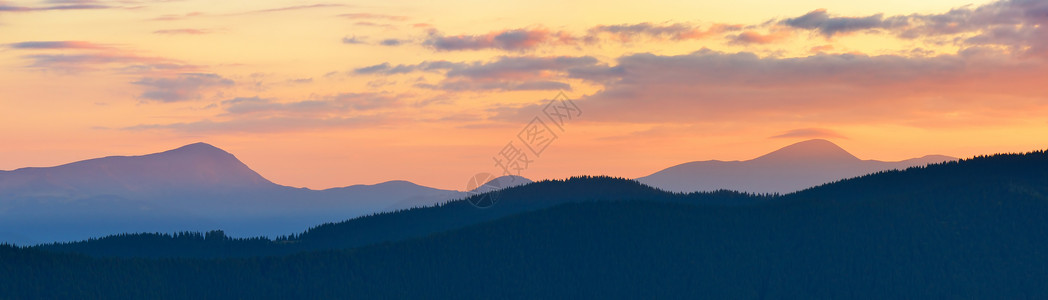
x,y
1021,174
394,226
1025,174
977,231
970,229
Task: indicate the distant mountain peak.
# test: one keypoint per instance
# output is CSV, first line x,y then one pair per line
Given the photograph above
x,y
791,168
207,163
199,148
191,168
198,145
815,149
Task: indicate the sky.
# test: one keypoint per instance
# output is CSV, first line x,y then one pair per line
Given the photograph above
x,y
330,94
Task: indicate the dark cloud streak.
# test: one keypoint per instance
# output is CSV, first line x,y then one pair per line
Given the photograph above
x,y
508,40
57,45
829,26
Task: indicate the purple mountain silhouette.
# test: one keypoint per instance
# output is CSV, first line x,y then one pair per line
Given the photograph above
x,y
199,167
194,187
792,168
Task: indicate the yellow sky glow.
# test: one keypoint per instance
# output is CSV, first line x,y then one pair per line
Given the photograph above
x,y
295,61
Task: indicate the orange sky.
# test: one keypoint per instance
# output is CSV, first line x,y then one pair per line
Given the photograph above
x,y
326,94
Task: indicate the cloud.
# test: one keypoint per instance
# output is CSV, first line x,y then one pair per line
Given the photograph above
x,y
267,115
290,8
520,67
809,133
190,31
379,68
968,19
373,24
829,26
330,105
509,40
505,73
267,124
426,66
184,87
1018,25
130,63
57,45
711,86
87,56
525,39
1021,26
177,17
675,31
300,81
4,7
753,37
72,1
352,40
370,16
391,42
471,85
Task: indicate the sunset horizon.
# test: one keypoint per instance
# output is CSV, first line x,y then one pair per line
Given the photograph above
x,y
324,95
468,149
495,171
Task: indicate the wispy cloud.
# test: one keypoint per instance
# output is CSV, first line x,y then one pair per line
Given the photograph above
x,y
509,40
268,115
370,16
197,14
525,39
4,7
81,56
753,37
521,67
712,86
504,73
268,124
373,24
502,67
58,45
183,87
176,17
429,66
330,105
74,63
290,8
1018,25
353,40
300,81
474,85
390,42
829,26
652,31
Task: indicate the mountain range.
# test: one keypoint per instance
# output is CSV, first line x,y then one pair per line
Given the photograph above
x,y
194,187
792,168
199,187
971,228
